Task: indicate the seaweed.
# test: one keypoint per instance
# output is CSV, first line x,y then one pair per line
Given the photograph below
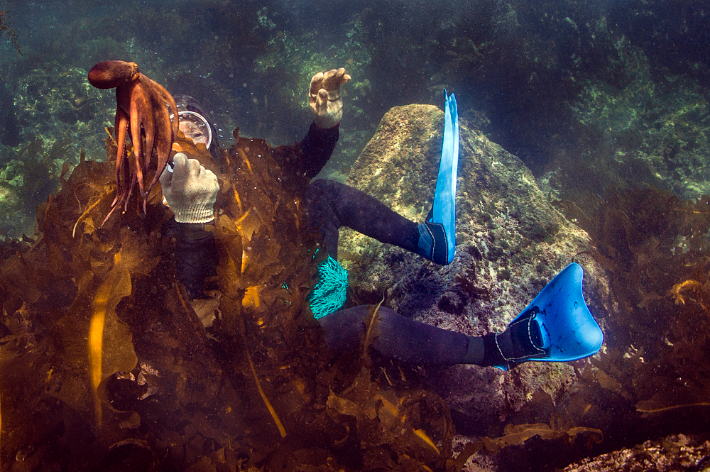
x,y
105,359
8,31
39,172
654,368
555,430
408,430
40,176
522,441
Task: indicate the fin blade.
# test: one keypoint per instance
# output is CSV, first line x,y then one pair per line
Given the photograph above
x,y
444,209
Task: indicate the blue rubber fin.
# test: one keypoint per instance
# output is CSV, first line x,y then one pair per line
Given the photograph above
x,y
569,332
444,209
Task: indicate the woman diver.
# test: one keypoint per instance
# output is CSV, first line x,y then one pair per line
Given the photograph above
x,y
556,326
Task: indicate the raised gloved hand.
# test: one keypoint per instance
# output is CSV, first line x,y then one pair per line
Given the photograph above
x,y
325,100
190,190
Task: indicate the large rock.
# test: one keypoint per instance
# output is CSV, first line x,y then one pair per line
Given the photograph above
x,y
510,243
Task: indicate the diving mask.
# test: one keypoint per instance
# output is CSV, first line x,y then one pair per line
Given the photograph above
x,y
195,127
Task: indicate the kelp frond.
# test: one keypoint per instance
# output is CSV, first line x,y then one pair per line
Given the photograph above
x,y
371,320
271,409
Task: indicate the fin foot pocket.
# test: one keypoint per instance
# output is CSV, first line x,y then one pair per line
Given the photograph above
x,y
558,322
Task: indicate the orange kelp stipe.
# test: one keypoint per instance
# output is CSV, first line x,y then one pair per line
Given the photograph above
x,y
424,437
251,296
279,425
96,339
689,285
116,286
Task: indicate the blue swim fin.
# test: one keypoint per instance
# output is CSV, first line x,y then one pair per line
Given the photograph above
x,y
437,240
568,330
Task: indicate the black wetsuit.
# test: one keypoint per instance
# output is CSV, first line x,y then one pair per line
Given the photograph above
x,y
330,205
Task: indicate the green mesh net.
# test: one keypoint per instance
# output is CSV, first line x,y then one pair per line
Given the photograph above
x,y
330,291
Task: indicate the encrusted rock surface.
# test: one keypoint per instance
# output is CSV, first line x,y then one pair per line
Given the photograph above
x,y
677,452
510,243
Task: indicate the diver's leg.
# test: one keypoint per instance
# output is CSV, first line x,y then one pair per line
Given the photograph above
x,y
437,240
418,343
557,326
397,337
331,205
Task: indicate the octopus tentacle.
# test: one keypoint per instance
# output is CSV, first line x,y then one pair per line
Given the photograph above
x,y
125,96
165,95
165,130
135,114
145,128
121,129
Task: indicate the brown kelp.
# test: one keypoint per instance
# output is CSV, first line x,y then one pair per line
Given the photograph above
x,y
104,360
655,247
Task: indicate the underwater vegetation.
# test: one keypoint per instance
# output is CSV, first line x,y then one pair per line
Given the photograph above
x,y
655,366
56,102
602,95
27,179
105,365
534,70
651,130
7,31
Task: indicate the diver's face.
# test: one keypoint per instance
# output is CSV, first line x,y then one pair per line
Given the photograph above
x,y
194,131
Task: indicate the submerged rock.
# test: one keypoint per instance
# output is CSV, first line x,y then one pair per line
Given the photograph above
x,y
676,452
510,243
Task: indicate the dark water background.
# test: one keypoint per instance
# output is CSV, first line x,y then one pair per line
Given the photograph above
x,y
596,97
523,70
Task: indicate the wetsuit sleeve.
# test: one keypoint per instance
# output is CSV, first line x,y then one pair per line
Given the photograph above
x,y
303,161
196,256
317,147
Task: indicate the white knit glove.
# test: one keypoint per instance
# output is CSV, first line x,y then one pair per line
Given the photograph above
x,y
325,100
190,190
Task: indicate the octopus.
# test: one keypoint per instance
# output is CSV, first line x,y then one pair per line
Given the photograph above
x,y
144,108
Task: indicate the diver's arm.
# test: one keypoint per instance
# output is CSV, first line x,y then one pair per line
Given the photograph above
x,y
196,256
305,160
316,148
325,99
191,191
326,102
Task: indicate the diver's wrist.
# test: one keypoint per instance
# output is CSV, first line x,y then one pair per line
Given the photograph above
x,y
325,125
194,231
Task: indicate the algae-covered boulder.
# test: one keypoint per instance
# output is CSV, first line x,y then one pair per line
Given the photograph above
x,y
510,243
